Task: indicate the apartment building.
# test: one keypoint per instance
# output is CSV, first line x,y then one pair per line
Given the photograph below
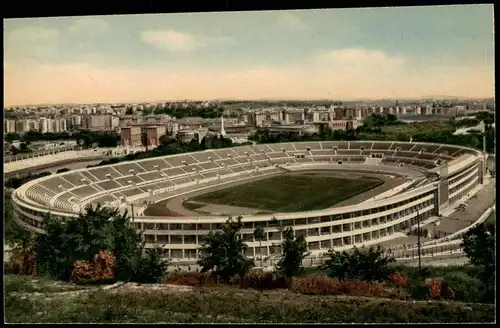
x,y
130,136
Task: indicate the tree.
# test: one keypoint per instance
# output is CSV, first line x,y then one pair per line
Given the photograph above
x,y
259,234
152,266
293,252
479,246
14,234
224,251
94,230
368,266
14,150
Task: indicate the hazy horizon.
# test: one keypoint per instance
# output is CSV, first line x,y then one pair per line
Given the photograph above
x,y
337,54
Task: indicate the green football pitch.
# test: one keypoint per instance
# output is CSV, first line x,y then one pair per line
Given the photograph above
x,y
291,193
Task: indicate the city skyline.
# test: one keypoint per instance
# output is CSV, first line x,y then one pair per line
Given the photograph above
x,y
338,54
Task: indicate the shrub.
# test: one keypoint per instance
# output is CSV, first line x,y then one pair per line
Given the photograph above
x,y
101,269
189,279
369,265
323,285
104,265
399,280
435,287
97,228
261,280
466,288
83,272
479,245
22,261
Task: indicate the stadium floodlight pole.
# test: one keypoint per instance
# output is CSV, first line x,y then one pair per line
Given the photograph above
x,y
418,241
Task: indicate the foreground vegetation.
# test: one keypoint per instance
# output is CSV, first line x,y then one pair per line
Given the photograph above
x,y
105,248
231,305
290,193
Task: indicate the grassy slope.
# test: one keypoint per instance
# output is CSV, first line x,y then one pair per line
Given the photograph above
x,y
289,193
230,304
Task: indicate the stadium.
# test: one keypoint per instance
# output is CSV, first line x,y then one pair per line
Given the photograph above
x,y
337,194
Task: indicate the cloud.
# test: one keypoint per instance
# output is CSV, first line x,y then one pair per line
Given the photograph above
x,y
359,60
33,34
291,21
171,40
88,25
29,42
178,42
336,74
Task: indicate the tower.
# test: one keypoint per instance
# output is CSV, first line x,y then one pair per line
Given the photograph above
x,y
222,131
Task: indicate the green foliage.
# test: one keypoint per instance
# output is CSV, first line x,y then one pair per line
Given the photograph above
x,y
259,233
369,265
487,117
224,251
9,137
151,267
466,288
233,305
17,182
479,245
86,138
210,112
465,281
14,234
98,228
293,252
466,122
379,120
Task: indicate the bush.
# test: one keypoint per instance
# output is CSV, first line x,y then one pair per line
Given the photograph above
x,y
467,288
98,228
189,279
323,285
399,280
22,261
435,287
99,270
83,272
369,265
462,283
479,245
261,281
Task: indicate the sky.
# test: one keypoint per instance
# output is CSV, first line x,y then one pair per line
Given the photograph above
x,y
338,54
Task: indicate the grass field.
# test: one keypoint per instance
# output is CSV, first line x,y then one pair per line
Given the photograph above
x,y
291,193
163,304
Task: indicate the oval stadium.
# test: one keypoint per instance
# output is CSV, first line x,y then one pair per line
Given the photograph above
x,y
338,194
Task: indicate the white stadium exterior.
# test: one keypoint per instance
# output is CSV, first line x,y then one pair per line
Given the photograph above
x,y
441,174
